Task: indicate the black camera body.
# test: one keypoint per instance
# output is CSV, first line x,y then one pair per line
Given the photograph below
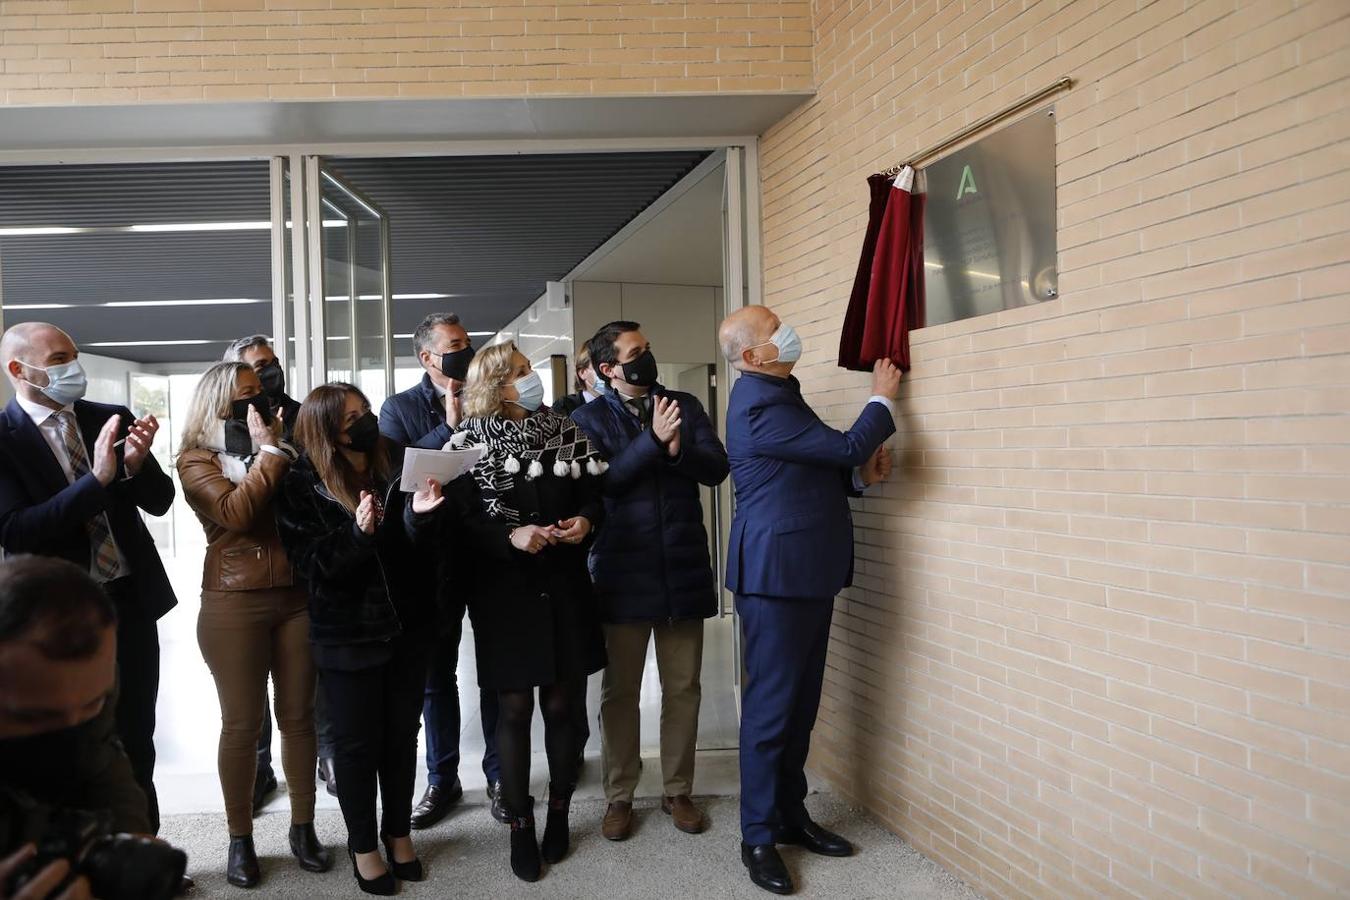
x,y
118,866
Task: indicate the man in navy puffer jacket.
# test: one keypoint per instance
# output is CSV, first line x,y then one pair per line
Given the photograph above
x,y
650,565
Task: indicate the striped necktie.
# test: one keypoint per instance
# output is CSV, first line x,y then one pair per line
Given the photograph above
x,y
102,548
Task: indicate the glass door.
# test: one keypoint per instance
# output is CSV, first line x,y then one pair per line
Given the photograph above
x,y
349,286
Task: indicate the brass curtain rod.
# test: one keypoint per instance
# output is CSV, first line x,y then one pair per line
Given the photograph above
x,y
1030,100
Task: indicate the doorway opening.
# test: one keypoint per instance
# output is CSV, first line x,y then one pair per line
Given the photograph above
x,y
155,267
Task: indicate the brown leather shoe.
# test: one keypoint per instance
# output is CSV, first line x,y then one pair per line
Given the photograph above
x,y
682,811
618,823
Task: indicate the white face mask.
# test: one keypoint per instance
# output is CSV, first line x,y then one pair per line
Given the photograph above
x,y
529,392
788,342
66,383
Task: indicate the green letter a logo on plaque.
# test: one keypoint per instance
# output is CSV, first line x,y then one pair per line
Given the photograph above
x,y
967,185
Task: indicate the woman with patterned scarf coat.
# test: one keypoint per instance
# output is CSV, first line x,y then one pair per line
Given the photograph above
x,y
535,617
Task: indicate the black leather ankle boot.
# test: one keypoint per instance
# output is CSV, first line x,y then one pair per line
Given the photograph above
x,y
524,844
305,846
556,840
242,869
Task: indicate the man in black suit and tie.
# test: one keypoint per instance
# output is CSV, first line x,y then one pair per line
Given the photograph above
x,y
73,477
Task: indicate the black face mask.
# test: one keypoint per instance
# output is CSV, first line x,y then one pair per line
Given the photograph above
x,y
239,409
455,364
273,378
46,758
238,440
641,372
364,433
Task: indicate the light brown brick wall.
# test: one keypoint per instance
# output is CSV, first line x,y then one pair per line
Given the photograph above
x,y
1099,642
128,51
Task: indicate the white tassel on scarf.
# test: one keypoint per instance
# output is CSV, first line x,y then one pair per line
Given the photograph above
x,y
574,470
535,470
512,465
560,468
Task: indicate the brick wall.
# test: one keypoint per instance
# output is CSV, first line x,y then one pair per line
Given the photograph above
x,y
128,51
1099,642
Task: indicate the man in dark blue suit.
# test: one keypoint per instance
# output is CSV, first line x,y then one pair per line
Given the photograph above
x,y
789,554
74,476
425,416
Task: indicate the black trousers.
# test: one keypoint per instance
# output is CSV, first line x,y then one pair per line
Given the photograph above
x,y
374,713
138,688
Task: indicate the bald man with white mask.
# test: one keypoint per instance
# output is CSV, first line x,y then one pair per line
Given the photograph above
x,y
790,552
74,478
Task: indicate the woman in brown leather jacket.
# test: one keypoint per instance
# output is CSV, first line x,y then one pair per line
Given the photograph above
x,y
254,619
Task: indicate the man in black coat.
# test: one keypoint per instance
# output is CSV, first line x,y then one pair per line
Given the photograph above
x,y
74,477
425,416
256,351
651,566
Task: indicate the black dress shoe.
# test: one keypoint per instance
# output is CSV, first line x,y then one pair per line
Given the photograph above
x,y
383,886
242,868
766,867
494,792
264,786
403,871
327,774
305,846
185,886
816,839
436,804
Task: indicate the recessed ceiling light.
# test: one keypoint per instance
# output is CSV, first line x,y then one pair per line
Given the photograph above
x,y
237,301
201,226
149,343
150,228
25,232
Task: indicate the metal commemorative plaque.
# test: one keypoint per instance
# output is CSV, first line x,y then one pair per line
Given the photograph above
x,y
989,223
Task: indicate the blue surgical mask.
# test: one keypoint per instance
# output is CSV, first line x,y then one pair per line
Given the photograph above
x,y
66,383
601,387
787,341
530,391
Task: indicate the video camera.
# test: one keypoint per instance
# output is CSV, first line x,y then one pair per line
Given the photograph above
x,y
118,866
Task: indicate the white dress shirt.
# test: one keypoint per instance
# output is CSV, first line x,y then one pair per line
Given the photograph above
x,y
44,417
858,484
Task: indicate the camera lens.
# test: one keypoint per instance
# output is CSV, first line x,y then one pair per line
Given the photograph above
x,y
122,867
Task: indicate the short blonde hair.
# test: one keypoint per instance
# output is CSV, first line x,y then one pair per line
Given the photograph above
x,y
488,372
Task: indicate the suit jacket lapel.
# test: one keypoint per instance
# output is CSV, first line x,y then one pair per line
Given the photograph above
x,y
32,448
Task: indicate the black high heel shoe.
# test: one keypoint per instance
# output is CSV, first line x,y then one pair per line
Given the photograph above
x,y
383,886
403,871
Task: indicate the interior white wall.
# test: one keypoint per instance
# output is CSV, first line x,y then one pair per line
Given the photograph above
x,y
540,333
680,320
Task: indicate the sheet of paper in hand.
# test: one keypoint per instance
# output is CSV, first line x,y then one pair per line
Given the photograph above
x,y
443,465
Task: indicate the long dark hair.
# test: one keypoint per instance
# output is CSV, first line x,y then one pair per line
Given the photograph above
x,y
317,427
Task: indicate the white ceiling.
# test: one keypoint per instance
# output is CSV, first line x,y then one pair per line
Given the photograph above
x,y
680,245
